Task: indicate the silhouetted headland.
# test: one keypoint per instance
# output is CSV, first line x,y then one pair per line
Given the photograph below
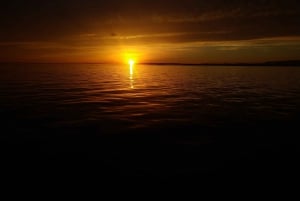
x,y
267,63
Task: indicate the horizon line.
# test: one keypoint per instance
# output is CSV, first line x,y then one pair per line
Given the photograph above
x,y
265,63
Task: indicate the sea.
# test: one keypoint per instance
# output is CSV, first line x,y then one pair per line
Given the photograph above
x,y
150,120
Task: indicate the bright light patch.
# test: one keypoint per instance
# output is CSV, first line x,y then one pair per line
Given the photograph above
x,y
131,64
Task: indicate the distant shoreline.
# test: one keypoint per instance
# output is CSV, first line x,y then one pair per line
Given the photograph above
x,y
268,63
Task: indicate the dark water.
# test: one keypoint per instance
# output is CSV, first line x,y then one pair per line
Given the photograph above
x,y
159,120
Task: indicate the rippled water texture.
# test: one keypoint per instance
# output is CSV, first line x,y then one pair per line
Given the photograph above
x,y
111,98
181,118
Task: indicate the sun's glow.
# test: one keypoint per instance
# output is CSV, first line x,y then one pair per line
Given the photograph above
x,y
131,62
130,55
131,65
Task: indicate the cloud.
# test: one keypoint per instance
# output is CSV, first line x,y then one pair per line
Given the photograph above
x,y
70,26
59,19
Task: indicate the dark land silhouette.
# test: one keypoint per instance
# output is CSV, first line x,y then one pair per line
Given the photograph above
x,y
267,63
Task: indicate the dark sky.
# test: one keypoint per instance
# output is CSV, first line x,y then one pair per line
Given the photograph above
x,y
190,31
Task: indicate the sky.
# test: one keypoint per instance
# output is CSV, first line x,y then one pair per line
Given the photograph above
x,y
164,31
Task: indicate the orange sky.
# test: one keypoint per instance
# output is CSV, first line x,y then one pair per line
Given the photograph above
x,y
149,31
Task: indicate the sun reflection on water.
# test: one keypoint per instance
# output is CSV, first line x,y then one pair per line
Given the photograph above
x,y
131,71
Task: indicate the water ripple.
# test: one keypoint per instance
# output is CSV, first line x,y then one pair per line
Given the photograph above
x,y
154,95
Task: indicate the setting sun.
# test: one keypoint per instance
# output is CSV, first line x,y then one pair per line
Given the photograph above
x,y
131,62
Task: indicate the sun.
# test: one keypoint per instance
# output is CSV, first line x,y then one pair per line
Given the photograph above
x,y
131,62
130,56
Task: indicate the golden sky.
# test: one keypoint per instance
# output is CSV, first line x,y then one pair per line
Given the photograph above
x,y
191,31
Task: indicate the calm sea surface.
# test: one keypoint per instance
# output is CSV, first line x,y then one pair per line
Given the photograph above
x,y
188,104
